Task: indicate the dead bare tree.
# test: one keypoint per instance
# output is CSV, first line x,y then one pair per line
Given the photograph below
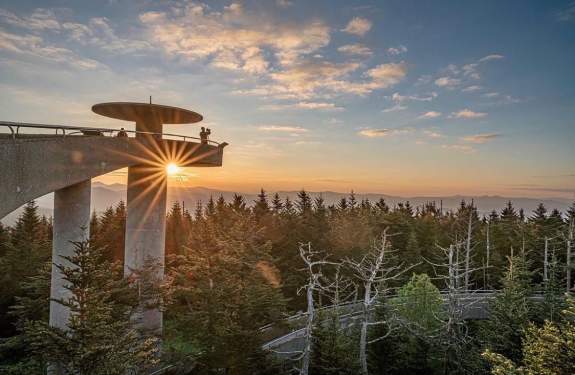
x,y
570,238
314,261
454,335
374,272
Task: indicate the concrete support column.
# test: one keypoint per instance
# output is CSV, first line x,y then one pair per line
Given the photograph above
x,y
71,223
146,230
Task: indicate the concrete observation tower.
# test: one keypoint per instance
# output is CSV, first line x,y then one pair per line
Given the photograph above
x,y
36,159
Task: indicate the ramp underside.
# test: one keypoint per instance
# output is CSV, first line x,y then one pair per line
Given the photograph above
x,y
33,166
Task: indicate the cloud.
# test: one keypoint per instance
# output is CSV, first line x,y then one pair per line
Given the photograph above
x,y
99,32
491,95
284,3
386,75
480,138
231,38
282,129
491,58
35,46
470,70
398,98
472,88
358,26
397,50
303,105
432,134
566,14
322,79
466,149
395,108
467,114
430,115
378,133
447,82
355,49
39,20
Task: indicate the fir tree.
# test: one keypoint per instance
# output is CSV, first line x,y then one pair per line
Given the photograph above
x,y
510,311
99,338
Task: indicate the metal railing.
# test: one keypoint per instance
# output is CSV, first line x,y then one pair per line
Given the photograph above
x,y
66,130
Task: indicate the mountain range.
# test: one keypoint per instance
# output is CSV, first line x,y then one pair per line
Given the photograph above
x,y
104,195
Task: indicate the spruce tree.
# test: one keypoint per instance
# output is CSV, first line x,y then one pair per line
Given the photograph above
x,y
510,312
99,338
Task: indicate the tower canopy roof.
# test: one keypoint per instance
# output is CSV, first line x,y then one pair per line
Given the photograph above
x,y
144,112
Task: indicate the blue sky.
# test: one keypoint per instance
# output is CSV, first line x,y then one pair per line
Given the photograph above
x,y
399,97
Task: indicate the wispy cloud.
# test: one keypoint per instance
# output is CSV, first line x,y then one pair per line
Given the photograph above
x,y
466,149
430,115
358,26
35,46
233,39
472,88
566,14
303,105
491,58
284,3
398,98
394,51
480,138
447,82
355,49
432,134
395,108
467,114
282,129
379,133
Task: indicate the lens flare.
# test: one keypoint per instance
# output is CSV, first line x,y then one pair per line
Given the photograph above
x,y
172,169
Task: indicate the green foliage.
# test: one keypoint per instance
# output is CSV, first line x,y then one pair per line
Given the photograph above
x,y
420,305
510,312
99,337
225,289
334,349
547,350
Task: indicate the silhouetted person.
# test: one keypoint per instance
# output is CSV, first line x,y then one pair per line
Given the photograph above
x,y
204,135
122,133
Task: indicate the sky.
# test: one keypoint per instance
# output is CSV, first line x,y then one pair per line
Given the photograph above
x,y
398,97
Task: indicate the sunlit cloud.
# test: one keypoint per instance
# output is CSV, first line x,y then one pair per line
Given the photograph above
x,y
358,26
323,106
379,133
35,46
432,134
467,114
283,129
232,38
480,138
466,149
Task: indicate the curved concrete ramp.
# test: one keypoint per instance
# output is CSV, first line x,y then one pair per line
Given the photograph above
x,y
35,165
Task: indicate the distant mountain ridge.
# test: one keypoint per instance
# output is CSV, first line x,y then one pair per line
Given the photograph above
x,y
104,196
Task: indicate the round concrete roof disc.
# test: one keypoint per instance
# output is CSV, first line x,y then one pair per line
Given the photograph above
x,y
138,112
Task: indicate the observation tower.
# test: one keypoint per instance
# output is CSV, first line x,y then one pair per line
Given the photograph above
x,y
37,159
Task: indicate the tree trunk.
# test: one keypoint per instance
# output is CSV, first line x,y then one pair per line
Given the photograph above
x,y
308,331
363,335
468,250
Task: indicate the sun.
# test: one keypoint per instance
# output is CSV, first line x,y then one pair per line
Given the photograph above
x,y
172,169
